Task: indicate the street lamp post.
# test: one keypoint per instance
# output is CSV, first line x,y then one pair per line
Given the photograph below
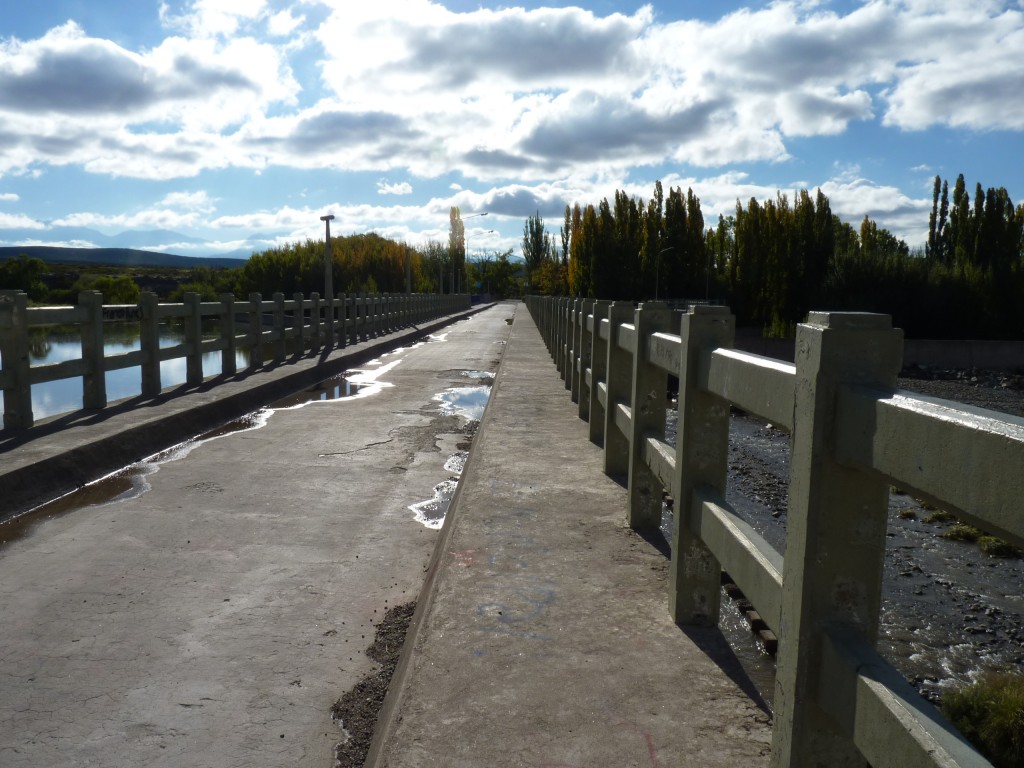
x,y
328,278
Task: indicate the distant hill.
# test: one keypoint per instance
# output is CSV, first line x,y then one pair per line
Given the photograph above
x,y
117,257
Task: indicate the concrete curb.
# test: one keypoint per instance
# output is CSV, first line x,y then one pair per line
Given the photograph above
x,y
386,719
63,453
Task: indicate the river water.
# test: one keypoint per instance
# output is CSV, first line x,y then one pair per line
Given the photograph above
x,y
55,345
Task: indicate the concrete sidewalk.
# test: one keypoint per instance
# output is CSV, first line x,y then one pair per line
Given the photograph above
x,y
542,637
62,453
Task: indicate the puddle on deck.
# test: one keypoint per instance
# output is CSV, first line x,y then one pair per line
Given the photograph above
x,y
468,403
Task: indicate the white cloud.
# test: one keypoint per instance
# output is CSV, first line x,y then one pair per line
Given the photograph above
x,y
502,94
9,197
19,221
283,24
192,201
155,218
214,17
387,188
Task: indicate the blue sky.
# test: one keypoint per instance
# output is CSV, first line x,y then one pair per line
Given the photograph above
x,y
216,126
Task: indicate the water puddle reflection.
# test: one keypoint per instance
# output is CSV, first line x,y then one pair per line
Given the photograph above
x,y
431,513
467,402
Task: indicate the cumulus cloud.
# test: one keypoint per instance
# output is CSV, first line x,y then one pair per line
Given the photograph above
x,y
9,197
537,107
387,188
19,221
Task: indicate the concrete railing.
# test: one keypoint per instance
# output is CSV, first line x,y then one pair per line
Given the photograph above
x,y
837,701
285,326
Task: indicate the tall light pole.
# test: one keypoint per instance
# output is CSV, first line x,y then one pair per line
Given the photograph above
x,y
471,216
328,277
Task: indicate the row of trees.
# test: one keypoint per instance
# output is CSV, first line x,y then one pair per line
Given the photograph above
x,y
773,261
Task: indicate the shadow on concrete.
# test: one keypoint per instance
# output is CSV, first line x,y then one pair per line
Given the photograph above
x,y
713,643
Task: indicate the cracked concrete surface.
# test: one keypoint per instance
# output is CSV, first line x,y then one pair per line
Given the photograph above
x,y
214,619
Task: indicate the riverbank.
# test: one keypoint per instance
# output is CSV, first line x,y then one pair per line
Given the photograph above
x,y
950,612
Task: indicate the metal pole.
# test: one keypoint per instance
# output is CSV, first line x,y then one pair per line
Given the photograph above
x,y
328,280
328,271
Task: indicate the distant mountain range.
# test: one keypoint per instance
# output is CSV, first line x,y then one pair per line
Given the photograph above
x,y
154,241
120,257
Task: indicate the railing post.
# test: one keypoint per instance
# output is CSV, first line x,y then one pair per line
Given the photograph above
x,y
619,370
702,458
564,313
316,331
94,382
345,333
598,374
17,362
576,369
280,345
329,325
835,532
586,347
194,338
255,334
650,396
299,315
228,355
149,343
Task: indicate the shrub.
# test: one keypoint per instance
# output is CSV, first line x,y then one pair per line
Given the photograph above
x,y
996,547
938,516
990,714
961,532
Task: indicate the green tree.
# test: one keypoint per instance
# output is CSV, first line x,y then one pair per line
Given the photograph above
x,y
537,244
24,273
120,289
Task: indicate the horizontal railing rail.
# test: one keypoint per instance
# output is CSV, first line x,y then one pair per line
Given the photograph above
x,y
280,325
837,701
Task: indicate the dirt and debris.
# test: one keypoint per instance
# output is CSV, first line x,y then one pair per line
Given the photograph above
x,y
356,711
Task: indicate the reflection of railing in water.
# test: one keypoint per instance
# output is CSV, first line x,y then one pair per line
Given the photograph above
x,y
837,701
296,324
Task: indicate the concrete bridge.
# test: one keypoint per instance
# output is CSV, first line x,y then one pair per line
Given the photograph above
x,y
214,618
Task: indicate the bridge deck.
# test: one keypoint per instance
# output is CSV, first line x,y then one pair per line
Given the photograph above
x,y
543,637
214,619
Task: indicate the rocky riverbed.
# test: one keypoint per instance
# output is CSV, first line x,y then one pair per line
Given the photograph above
x,y
950,611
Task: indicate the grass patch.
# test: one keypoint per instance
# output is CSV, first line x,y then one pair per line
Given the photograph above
x,y
938,516
990,714
996,547
907,514
961,532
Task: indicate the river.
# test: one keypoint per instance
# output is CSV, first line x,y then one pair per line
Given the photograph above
x,y
57,344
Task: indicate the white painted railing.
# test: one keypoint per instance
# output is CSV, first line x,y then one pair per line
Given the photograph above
x,y
837,701
284,326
